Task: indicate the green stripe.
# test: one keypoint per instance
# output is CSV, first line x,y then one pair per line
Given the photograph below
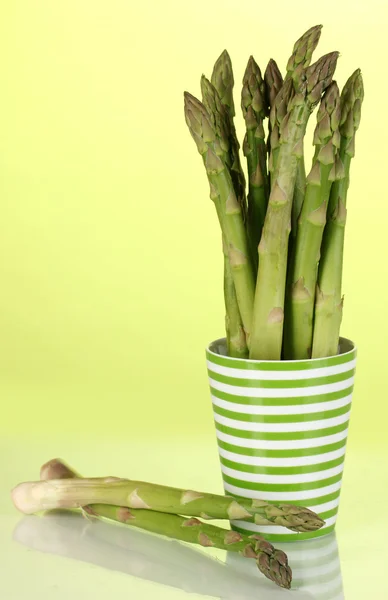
x,y
281,453
298,470
294,365
281,384
282,435
310,502
282,487
292,537
329,513
301,418
276,401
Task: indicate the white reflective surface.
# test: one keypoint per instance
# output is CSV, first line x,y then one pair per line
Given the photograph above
x,y
66,556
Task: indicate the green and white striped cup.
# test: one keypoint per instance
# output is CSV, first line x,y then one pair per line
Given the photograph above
x,y
281,430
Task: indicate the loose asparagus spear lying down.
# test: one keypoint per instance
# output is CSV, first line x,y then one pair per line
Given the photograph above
x,y
271,562
32,497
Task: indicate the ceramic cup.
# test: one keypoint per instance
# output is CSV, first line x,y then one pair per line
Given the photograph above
x,y
281,429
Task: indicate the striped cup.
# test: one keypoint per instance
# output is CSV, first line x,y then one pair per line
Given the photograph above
x,y
281,430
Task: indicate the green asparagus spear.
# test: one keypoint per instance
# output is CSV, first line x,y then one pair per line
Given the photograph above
x,y
28,497
329,301
253,104
302,52
277,114
274,81
223,81
228,208
268,317
273,84
271,562
303,266
299,60
235,335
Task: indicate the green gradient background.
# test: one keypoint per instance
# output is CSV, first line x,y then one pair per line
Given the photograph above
x,y
111,268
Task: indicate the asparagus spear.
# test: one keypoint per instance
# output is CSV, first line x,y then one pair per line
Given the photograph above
x,y
277,114
267,327
329,302
253,104
299,60
272,563
228,208
302,52
223,81
235,335
303,266
34,496
273,84
274,81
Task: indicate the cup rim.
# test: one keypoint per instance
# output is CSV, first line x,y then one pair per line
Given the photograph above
x,y
305,361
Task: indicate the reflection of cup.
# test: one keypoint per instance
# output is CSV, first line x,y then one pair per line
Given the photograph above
x,y
281,431
316,569
143,555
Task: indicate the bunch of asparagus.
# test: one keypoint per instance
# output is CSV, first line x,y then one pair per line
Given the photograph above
x,y
168,511
283,236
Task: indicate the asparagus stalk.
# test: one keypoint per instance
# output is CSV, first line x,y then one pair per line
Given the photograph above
x,y
277,114
235,334
253,104
274,566
34,496
273,84
271,562
223,81
303,266
299,60
267,327
228,208
329,301
274,81
302,52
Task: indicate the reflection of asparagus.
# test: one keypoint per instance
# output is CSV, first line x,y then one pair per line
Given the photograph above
x,y
268,314
135,553
271,562
303,266
328,307
137,494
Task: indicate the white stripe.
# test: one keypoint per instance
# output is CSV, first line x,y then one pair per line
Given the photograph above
x,y
316,390
273,529
282,427
293,409
321,508
281,375
299,461
278,479
304,495
305,551
321,587
283,444
308,572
